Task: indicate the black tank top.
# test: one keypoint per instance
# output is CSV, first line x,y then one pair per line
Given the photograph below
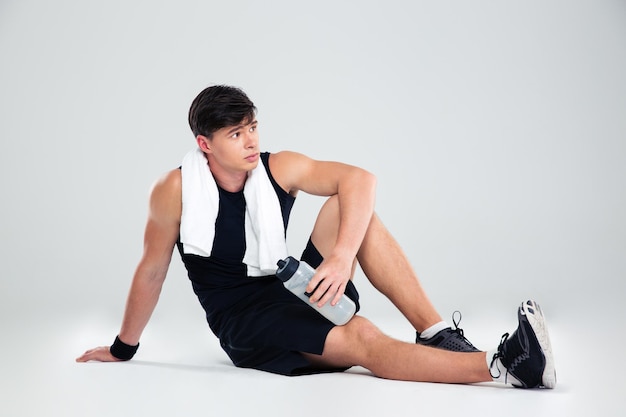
x,y
229,244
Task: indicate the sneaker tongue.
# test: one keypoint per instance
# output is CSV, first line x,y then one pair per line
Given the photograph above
x,y
513,351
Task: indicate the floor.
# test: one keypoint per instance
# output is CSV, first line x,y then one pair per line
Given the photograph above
x,y
181,370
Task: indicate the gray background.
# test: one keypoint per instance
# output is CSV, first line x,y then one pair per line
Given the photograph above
x,y
497,131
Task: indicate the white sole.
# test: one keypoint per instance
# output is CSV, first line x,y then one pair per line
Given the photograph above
x,y
537,321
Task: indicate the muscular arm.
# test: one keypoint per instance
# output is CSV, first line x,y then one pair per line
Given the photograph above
x,y
160,236
356,191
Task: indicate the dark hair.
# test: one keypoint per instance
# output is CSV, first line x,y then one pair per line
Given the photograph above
x,y
217,107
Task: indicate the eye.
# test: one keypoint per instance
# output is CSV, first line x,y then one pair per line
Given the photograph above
x,y
235,135
252,128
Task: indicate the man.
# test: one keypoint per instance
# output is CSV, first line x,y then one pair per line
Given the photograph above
x,y
227,210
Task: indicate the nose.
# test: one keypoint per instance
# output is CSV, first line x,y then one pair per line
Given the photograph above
x,y
251,140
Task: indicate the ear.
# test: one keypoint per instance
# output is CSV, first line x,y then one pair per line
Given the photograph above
x,y
204,143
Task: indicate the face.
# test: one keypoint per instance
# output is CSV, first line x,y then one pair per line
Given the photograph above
x,y
233,149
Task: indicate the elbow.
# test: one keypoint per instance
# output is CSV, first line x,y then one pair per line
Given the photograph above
x,y
368,181
151,275
359,182
364,183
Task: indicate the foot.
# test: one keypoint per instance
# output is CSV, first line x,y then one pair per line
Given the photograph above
x,y
449,339
527,355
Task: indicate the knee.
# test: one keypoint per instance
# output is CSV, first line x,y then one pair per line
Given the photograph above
x,y
355,343
326,226
363,332
329,212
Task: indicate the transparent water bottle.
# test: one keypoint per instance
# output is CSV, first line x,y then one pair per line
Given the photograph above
x,y
296,275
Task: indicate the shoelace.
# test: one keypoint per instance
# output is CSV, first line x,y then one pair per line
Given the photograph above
x,y
457,329
498,355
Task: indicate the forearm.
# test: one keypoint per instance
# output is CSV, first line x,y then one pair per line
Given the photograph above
x,y
357,194
162,230
142,299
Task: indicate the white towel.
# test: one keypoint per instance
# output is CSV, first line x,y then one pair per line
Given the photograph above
x,y
265,232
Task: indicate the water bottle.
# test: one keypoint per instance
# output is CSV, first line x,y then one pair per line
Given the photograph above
x,y
296,275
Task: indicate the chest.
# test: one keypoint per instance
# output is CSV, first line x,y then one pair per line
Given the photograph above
x,y
230,238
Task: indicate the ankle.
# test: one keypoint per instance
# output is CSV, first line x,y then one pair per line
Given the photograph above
x,y
432,330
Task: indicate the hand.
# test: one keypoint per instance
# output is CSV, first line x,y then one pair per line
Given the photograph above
x,y
330,278
100,354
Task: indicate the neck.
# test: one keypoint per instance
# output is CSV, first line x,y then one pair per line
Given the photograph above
x,y
231,181
232,185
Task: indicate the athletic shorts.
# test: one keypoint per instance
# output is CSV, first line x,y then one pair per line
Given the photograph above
x,y
270,327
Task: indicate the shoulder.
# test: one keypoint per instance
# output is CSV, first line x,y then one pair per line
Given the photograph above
x,y
295,171
169,183
286,166
289,161
166,195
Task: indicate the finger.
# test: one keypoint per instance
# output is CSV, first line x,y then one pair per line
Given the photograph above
x,y
320,291
340,291
314,282
329,293
311,288
101,354
85,356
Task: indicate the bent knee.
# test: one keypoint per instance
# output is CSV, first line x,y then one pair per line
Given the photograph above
x,y
324,234
354,339
363,330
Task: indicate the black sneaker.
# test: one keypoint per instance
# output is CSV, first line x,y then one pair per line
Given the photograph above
x,y
449,339
527,354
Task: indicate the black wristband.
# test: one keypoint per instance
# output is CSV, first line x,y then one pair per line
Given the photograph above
x,y
123,351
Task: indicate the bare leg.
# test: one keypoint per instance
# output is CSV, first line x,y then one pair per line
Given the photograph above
x,y
383,262
360,343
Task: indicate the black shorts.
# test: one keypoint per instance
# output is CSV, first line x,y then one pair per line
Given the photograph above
x,y
271,326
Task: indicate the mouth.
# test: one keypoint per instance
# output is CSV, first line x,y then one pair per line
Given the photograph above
x,y
252,158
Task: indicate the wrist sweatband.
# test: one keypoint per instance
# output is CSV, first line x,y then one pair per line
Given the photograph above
x,y
123,351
